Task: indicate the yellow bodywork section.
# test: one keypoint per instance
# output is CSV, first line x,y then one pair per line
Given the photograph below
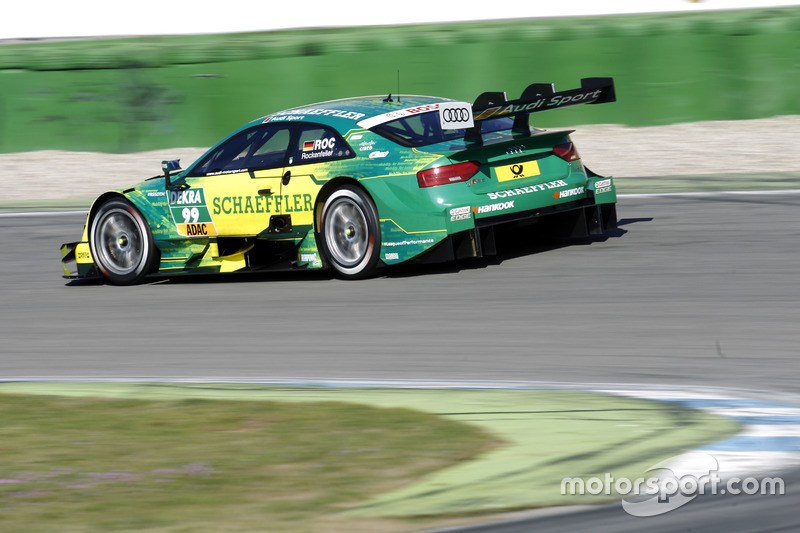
x,y
83,254
228,263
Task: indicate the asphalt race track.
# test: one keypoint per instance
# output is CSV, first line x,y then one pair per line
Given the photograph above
x,y
690,290
697,290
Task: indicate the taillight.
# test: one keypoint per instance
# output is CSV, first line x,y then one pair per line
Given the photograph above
x,y
447,174
567,152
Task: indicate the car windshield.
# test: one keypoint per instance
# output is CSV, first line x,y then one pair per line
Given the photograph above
x,y
424,129
255,148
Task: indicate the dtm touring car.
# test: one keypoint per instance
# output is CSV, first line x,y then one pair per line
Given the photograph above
x,y
355,185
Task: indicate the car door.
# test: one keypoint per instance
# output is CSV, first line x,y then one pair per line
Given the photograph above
x,y
313,149
240,181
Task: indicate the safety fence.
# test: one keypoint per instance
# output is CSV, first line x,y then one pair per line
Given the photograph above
x,y
134,94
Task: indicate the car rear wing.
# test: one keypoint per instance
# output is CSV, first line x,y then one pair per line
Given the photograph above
x,y
536,97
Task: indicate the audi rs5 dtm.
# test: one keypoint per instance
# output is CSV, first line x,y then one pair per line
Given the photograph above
x,y
354,185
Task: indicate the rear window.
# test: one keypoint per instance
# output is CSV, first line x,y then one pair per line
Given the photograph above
x,y
425,129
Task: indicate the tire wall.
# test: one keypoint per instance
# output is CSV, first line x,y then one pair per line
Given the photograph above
x,y
136,94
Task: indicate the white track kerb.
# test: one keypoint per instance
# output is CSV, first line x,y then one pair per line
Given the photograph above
x,y
746,464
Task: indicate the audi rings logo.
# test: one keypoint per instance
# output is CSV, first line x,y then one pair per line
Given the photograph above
x,y
455,115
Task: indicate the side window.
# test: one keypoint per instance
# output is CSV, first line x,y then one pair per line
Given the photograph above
x,y
317,143
272,152
256,148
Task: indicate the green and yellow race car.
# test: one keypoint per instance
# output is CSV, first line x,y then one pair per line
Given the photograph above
x,y
355,185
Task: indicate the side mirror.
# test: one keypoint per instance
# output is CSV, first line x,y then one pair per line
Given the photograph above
x,y
170,167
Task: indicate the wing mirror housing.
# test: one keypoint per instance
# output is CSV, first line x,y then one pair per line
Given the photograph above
x,y
170,167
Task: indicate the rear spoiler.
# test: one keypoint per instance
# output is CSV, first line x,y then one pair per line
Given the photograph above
x,y
536,97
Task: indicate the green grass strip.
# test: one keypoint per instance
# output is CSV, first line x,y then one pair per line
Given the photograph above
x,y
87,463
548,435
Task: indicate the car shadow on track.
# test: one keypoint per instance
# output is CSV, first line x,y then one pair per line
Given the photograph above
x,y
511,244
248,277
232,277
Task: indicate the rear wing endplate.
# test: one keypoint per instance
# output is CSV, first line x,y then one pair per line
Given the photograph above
x,y
536,97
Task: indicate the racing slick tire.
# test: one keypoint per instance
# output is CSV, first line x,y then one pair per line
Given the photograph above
x,y
350,233
121,243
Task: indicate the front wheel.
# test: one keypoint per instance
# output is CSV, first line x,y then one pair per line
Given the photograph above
x,y
350,233
121,243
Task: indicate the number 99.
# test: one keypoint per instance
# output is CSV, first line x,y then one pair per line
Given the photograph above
x,y
190,216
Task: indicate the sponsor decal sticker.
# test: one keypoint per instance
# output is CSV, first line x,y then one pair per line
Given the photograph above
x,y
517,171
221,172
422,109
545,102
502,206
377,154
409,242
527,190
569,192
455,115
295,114
318,148
242,205
283,118
190,213
390,256
460,213
311,258
197,230
392,115
602,186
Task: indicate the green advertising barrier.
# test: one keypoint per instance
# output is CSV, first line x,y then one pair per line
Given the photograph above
x,y
129,95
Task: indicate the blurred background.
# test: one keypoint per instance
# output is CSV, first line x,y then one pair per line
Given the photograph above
x,y
86,76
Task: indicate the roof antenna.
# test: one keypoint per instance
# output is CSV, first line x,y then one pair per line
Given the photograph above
x,y
398,86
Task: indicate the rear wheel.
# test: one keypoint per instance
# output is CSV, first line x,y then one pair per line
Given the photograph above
x,y
350,233
121,243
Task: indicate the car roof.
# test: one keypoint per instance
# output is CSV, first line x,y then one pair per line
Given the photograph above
x,y
346,112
